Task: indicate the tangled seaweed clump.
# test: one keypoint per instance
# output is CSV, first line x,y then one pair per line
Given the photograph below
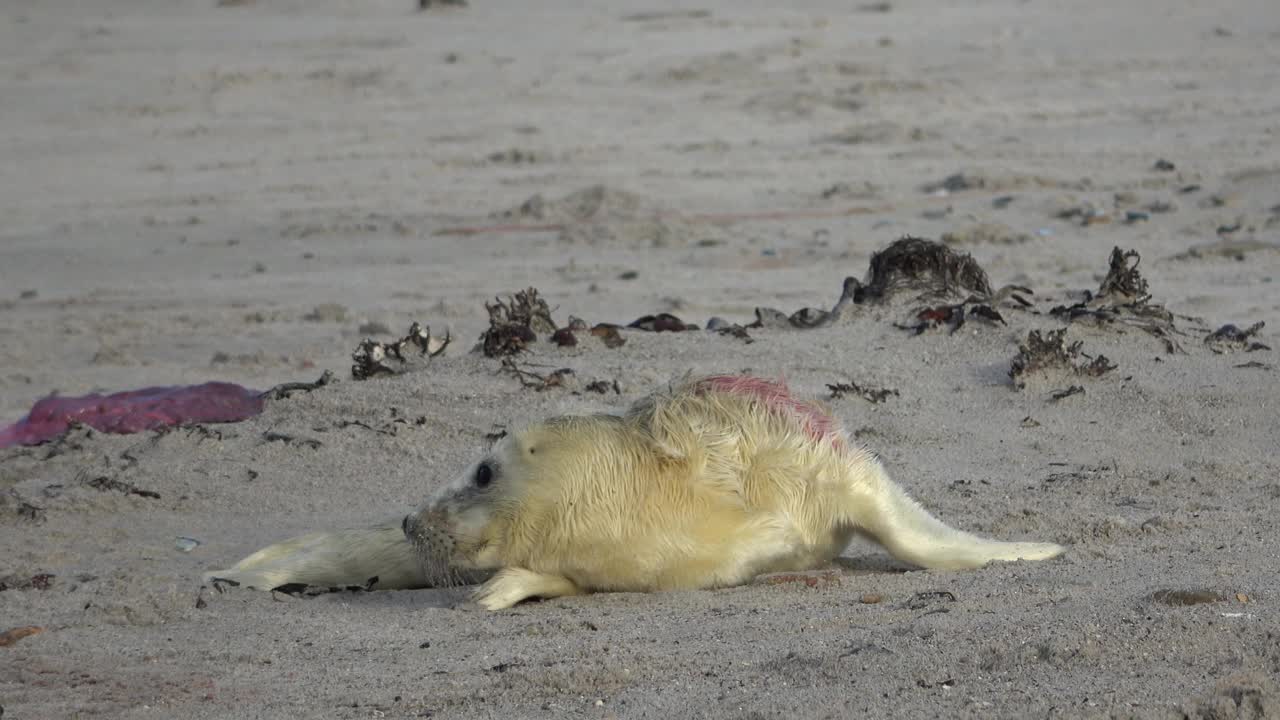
x,y
921,270
1230,338
377,358
516,322
1123,300
1048,355
924,267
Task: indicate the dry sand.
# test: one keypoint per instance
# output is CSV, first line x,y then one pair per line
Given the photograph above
x,y
199,190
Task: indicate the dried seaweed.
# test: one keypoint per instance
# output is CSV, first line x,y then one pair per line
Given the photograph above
x,y
283,390
604,387
272,436
1066,393
375,358
923,267
105,484
871,395
39,581
1229,339
1049,354
531,379
1123,300
918,270
516,322
736,331
954,316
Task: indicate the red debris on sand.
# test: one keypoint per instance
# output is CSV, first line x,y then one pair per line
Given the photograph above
x,y
775,395
134,411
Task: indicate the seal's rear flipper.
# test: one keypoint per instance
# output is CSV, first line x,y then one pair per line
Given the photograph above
x,y
884,511
376,558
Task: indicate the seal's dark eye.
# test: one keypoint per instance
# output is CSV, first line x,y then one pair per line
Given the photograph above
x,y
484,475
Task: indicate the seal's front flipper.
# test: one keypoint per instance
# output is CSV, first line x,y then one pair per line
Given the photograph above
x,y
376,558
511,585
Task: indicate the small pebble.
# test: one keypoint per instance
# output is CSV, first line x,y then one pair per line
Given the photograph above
x,y
13,635
717,323
186,544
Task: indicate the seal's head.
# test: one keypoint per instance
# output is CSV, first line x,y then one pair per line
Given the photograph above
x,y
504,507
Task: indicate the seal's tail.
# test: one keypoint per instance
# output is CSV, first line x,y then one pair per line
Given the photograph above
x,y
884,511
376,557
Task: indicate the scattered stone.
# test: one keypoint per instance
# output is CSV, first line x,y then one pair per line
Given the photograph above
x,y
1083,214
609,335
997,182
1227,248
662,322
717,323
564,337
13,635
985,234
871,599
1177,598
1229,339
1163,165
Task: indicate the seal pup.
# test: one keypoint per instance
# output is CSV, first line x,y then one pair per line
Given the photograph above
x,y
705,484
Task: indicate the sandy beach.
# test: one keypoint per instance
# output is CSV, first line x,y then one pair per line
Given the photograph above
x,y
245,190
